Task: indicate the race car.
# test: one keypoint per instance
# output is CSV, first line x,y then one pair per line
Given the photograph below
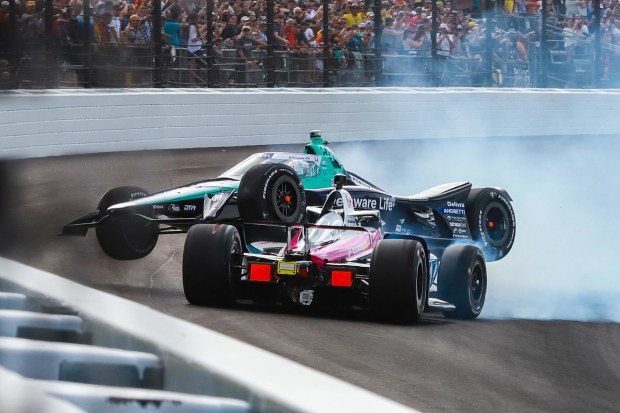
x,y
345,255
283,188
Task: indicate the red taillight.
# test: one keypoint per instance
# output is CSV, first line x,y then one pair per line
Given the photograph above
x,y
260,272
342,278
303,271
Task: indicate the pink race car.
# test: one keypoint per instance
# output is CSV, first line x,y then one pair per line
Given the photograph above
x,y
344,257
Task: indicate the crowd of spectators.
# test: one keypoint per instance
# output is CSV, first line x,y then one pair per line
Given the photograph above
x,y
117,26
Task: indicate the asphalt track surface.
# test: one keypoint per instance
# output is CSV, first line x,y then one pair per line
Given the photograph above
x,y
437,365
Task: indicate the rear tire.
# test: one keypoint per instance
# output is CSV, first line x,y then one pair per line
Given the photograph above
x,y
398,280
209,253
491,220
272,193
129,238
462,281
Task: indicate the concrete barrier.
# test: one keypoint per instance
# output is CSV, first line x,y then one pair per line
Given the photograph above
x,y
195,360
62,122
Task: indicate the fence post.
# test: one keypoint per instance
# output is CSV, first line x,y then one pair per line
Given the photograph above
x,y
326,42
378,29
598,58
270,66
209,48
544,47
87,50
157,46
12,46
51,65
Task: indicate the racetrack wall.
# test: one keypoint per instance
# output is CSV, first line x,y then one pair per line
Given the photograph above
x,y
62,122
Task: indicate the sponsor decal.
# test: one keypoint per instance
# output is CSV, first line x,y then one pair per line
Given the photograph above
x,y
383,203
358,249
305,157
456,204
398,228
138,195
454,224
454,211
358,182
158,207
174,208
460,231
189,208
348,198
267,183
459,236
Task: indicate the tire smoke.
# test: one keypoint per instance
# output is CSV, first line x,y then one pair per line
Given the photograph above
x,y
567,204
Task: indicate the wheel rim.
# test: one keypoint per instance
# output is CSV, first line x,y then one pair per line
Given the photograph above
x,y
495,224
236,258
477,286
285,199
420,283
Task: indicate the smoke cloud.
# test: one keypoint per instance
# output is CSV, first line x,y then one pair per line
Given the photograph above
x,y
564,263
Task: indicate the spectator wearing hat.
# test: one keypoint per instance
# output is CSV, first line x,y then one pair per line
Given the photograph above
x,y
30,27
245,44
445,41
445,46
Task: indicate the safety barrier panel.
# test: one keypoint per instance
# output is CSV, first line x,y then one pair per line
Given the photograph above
x,y
156,360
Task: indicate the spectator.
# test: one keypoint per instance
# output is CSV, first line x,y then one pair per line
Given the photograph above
x,y
353,15
133,32
171,31
194,39
445,41
418,43
229,29
115,22
30,27
245,45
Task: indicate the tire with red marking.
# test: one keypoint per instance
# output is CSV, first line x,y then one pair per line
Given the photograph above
x,y
125,238
272,193
491,221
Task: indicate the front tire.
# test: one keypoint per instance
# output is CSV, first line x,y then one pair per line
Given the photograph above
x,y
209,255
272,193
129,238
398,280
462,281
491,221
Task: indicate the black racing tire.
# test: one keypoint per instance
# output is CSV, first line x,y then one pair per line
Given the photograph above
x,y
462,281
272,193
209,255
491,221
128,238
398,280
